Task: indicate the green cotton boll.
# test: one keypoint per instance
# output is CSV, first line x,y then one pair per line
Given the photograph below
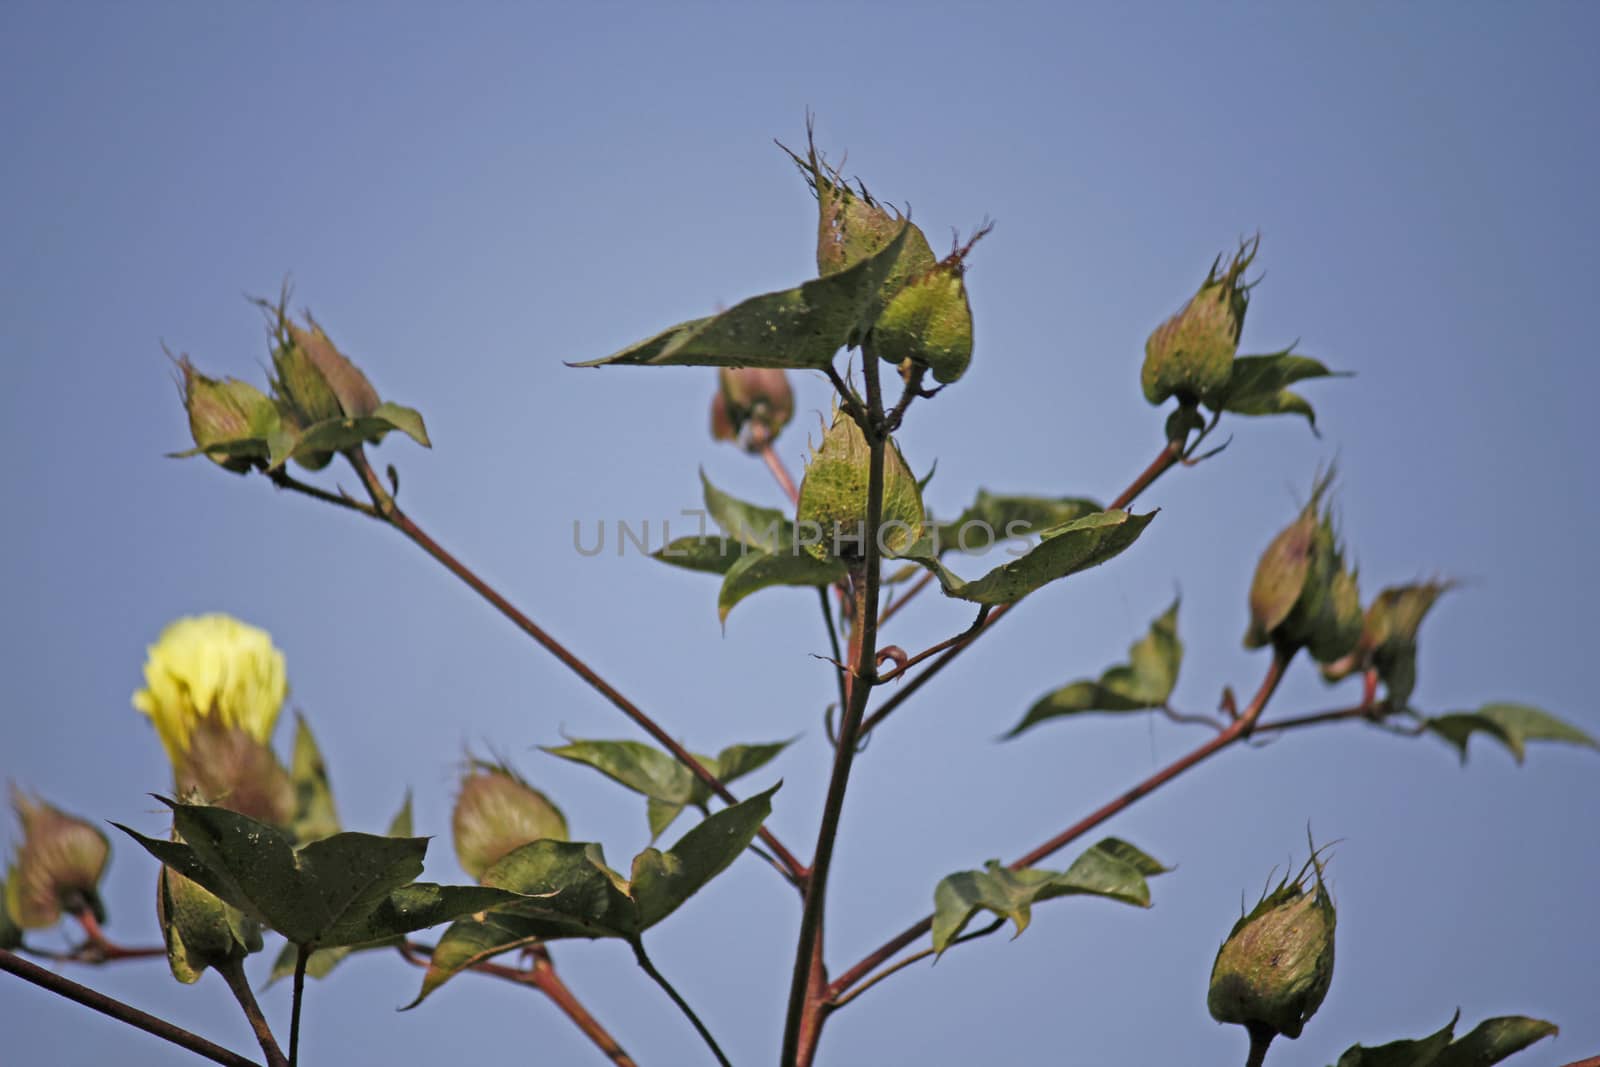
x,y
497,813
229,420
301,386
929,322
200,930
1279,578
1190,356
1275,968
1389,636
1339,630
852,226
832,513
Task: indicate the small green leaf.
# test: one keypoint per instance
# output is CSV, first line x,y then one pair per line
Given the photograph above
x,y
767,529
794,328
1112,868
1145,681
634,764
400,825
1494,1040
470,941
1419,1053
760,570
713,555
663,881
315,816
660,815
1259,385
407,420
1513,725
1063,550
994,517
736,761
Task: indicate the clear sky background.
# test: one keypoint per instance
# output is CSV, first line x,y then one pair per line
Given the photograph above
x,y
468,198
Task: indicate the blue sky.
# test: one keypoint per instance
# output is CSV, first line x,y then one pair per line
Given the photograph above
x,y
468,198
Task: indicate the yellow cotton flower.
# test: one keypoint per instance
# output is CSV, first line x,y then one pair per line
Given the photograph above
x,y
211,666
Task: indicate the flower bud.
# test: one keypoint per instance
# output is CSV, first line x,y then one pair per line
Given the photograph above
x,y
199,929
229,420
1275,967
1389,637
1302,595
929,322
756,401
211,666
227,766
56,869
1190,356
496,813
313,379
833,496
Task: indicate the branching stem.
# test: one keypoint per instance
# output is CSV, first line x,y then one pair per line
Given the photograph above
x,y
389,512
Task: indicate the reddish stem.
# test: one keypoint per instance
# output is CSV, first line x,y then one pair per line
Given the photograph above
x,y
391,513
89,998
1237,730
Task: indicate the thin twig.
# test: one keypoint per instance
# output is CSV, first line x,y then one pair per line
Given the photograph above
x,y
232,972
98,948
302,954
683,1005
391,514
833,642
902,964
780,473
65,987
966,635
284,480
543,977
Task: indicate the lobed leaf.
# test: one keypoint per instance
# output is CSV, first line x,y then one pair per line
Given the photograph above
x,y
1112,868
1490,1042
1145,681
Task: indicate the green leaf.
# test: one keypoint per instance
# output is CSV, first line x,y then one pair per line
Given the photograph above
x,y
407,420
767,529
342,890
668,784
761,570
713,555
567,890
1491,1041
1112,868
1259,385
314,813
994,517
1494,1040
663,881
1513,725
1066,549
1145,681
400,825
322,961
638,766
1419,1053
794,328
